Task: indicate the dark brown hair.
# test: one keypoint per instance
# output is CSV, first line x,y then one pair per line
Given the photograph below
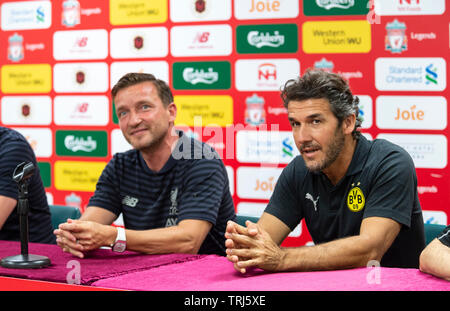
x,y
323,84
133,78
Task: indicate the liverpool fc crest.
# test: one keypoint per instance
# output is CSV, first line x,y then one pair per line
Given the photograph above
x,y
396,40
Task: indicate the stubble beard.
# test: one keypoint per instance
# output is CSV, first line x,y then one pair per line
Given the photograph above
x,y
333,152
155,141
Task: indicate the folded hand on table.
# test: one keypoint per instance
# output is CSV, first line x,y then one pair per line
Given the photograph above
x,y
77,236
251,246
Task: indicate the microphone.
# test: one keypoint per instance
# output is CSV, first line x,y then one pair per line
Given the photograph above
x,y
22,174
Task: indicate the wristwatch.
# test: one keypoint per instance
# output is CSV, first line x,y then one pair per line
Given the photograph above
x,y
120,244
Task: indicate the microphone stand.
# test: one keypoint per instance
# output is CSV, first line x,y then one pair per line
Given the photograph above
x,y
24,260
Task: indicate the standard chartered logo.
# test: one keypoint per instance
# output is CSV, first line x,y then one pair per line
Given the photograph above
x,y
431,75
287,148
40,14
75,144
341,4
259,39
194,76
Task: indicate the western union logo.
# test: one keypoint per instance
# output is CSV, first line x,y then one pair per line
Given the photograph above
x,y
77,176
20,79
130,12
337,37
204,110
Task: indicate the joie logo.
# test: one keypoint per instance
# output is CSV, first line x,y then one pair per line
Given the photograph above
x,y
130,201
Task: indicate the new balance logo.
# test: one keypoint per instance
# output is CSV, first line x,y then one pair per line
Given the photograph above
x,y
130,201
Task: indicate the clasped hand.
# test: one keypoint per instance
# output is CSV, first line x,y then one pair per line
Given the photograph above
x,y
77,237
251,246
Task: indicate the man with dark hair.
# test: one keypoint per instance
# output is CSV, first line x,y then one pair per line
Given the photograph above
x,y
172,191
14,150
358,197
435,258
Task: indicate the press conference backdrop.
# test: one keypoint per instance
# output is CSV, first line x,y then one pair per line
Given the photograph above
x,y
225,61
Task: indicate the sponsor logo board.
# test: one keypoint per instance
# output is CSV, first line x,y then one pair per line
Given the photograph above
x,y
81,110
435,217
118,142
266,9
46,174
80,44
265,147
40,140
199,10
204,40
256,182
35,78
81,143
132,12
273,38
77,176
365,111
264,74
409,7
412,112
80,77
410,74
204,110
26,15
337,37
202,75
335,7
427,151
159,69
139,42
26,110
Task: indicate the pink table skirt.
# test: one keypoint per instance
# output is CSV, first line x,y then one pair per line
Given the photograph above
x,y
214,273
98,264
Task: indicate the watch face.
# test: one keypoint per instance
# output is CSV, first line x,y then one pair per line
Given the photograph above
x,y
119,246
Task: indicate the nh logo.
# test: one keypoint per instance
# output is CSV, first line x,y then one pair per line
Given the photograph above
x,y
409,1
267,71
